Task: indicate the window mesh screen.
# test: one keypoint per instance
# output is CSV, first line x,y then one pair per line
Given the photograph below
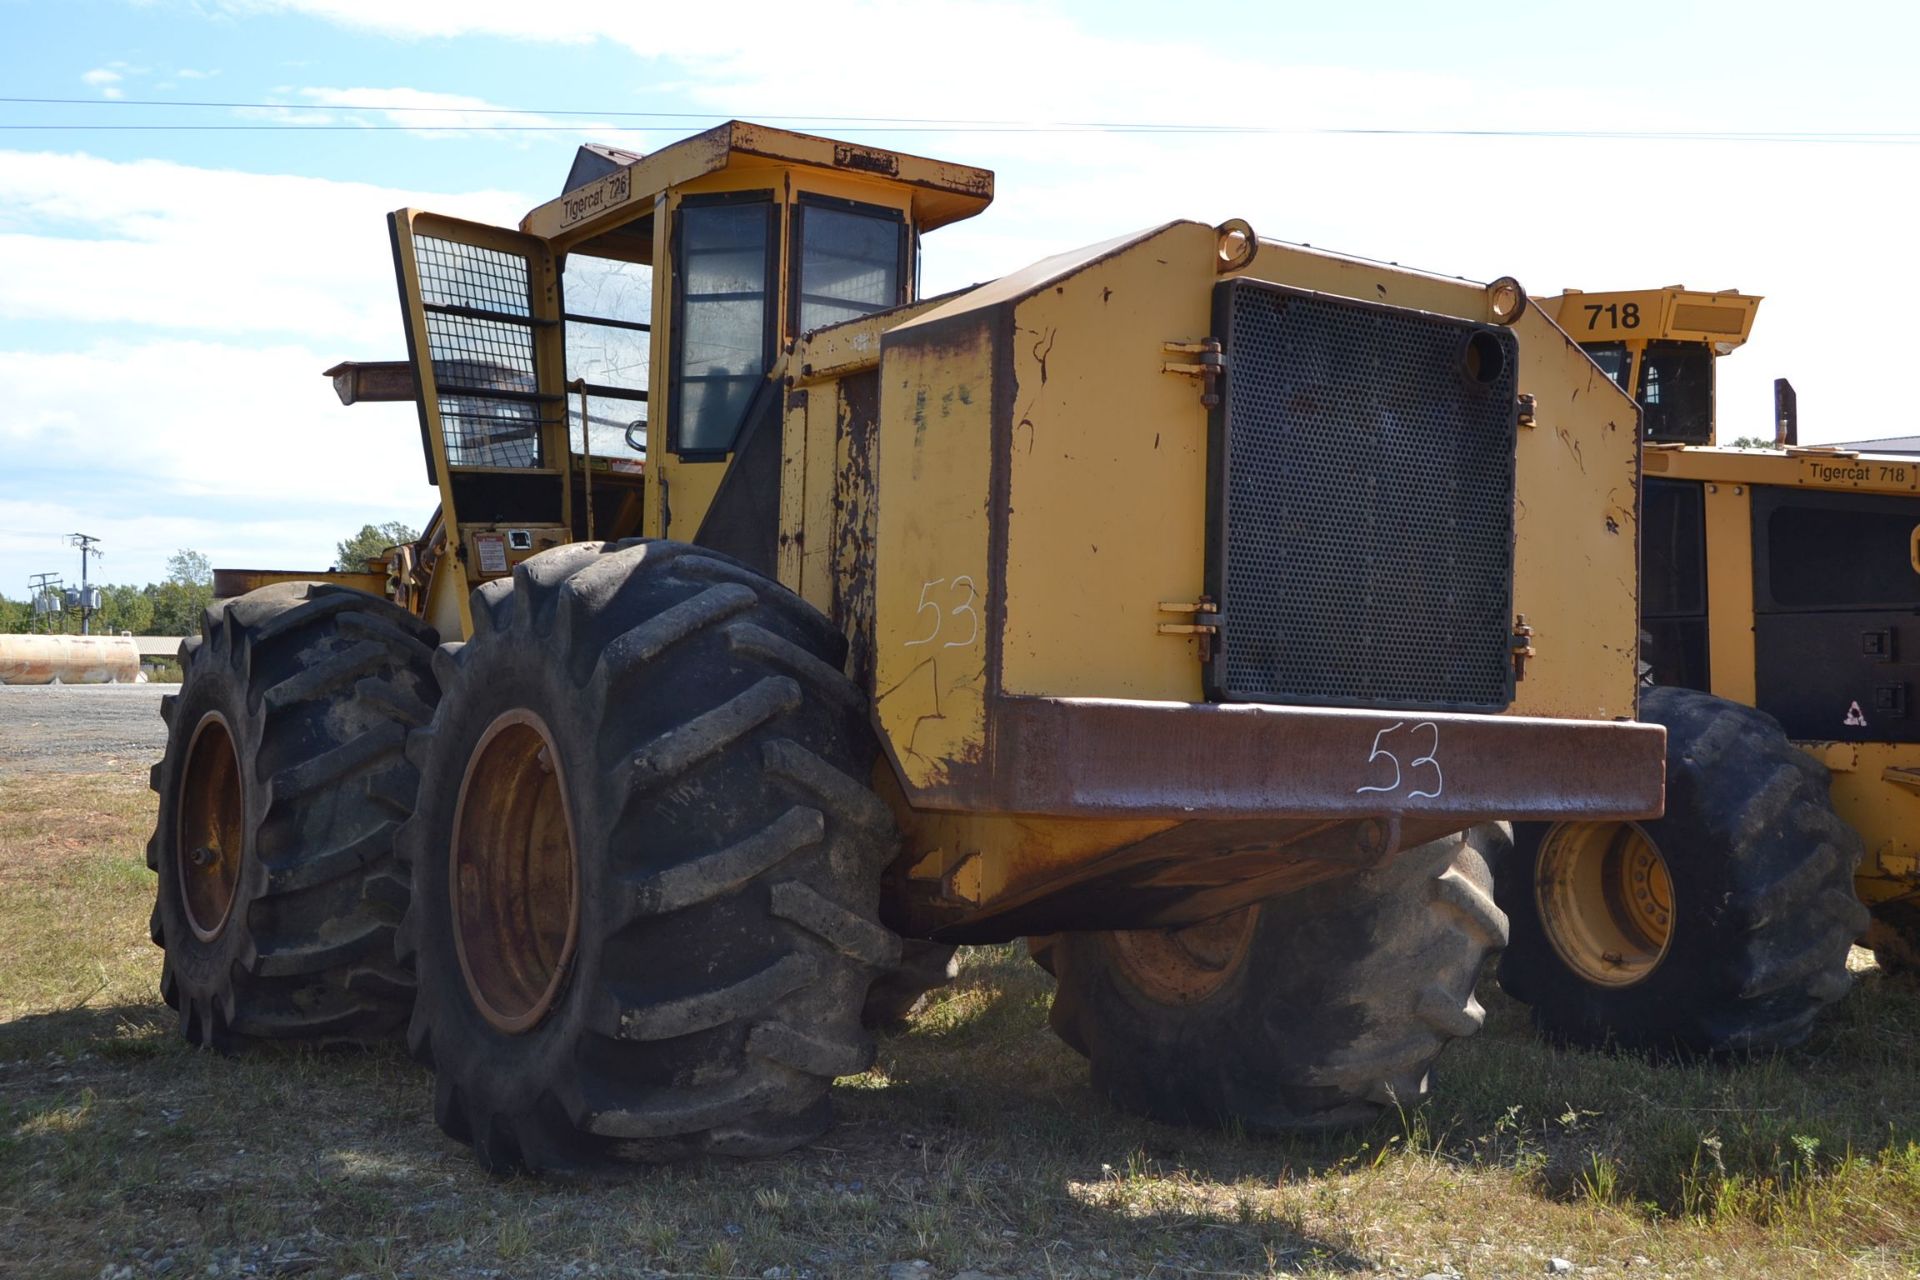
x,y
479,317
1366,505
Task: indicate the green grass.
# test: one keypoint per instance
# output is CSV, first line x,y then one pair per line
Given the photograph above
x,y
975,1142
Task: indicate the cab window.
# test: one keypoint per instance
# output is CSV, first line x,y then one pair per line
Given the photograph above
x,y
1613,359
609,314
1676,392
849,260
723,331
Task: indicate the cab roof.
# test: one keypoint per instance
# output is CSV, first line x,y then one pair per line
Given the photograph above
x,y
608,186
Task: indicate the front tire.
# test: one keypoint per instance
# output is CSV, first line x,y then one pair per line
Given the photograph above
x,y
1312,1011
281,790
1744,936
648,929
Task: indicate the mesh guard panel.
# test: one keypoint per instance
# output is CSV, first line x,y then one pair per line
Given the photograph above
x,y
1362,505
480,339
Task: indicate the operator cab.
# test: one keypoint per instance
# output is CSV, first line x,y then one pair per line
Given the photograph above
x,y
571,391
1659,345
768,235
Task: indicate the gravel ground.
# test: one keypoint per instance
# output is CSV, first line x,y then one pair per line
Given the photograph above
x,y
82,728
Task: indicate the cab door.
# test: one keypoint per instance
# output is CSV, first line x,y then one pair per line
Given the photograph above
x,y
484,335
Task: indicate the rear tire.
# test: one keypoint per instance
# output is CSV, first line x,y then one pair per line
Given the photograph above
x,y
726,853
1329,1007
1762,914
281,790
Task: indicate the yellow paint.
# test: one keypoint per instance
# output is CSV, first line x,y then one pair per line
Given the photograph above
x,y
1729,515
1885,813
237,582
1365,281
798,443
1576,531
1108,485
445,607
933,577
1837,469
941,192
992,857
1638,316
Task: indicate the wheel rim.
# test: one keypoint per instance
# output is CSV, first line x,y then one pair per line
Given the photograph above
x,y
514,873
1187,964
211,833
1606,900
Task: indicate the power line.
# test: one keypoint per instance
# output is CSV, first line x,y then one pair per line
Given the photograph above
x,y
894,124
1598,135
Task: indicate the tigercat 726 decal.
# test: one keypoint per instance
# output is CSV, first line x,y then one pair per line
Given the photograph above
x,y
596,197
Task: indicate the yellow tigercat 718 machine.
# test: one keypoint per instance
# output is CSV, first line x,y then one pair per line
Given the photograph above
x,y
1182,598
1779,590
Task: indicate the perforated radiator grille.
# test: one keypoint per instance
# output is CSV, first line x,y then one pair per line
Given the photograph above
x,y
1362,504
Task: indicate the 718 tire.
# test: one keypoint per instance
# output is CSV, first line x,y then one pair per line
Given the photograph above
x,y
1722,927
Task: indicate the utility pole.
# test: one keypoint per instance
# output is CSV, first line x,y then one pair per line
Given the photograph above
x,y
43,589
85,542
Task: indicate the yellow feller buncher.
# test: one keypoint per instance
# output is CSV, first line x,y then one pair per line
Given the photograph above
x,y
1182,599
1776,588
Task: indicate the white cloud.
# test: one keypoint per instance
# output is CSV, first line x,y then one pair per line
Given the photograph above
x,y
242,452
106,80
208,302
434,115
205,250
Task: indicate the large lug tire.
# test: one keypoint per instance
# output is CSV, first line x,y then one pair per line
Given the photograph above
x,y
1743,936
665,916
282,788
1316,1010
924,968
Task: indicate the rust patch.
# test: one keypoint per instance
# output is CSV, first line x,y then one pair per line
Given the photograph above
x,y
856,427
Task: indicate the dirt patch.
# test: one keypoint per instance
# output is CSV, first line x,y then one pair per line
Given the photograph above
x,y
84,728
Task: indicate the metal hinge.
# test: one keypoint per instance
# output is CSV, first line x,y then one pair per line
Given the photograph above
x,y
1204,632
1522,645
1211,364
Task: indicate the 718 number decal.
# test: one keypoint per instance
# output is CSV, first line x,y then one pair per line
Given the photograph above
x,y
1618,316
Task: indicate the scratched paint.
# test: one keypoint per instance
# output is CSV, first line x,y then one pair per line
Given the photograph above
x,y
931,571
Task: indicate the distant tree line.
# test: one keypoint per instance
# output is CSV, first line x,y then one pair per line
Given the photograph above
x,y
172,606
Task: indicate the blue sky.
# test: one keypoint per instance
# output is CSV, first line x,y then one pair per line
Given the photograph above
x,y
168,297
